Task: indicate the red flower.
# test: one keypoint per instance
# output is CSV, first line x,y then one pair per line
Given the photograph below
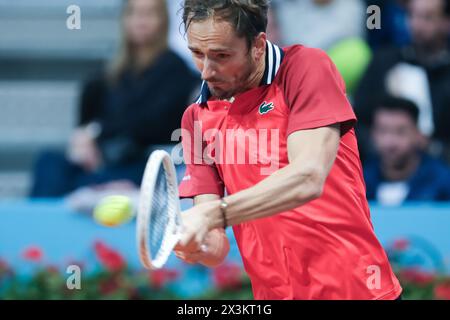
x,y
227,276
33,253
442,291
401,244
416,276
4,268
4,265
158,278
109,258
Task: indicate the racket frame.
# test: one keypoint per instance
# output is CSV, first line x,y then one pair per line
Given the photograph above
x,y
172,234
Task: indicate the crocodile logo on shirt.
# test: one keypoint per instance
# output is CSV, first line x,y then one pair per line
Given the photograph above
x,y
266,107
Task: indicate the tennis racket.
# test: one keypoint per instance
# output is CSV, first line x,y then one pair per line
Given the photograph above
x,y
159,223
159,214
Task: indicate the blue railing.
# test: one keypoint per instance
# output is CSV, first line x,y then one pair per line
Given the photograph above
x,y
66,236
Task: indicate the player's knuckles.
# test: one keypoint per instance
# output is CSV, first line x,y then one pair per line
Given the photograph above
x,y
191,259
181,257
196,256
178,247
179,254
186,258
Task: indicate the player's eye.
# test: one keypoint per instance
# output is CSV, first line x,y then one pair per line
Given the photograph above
x,y
223,56
197,54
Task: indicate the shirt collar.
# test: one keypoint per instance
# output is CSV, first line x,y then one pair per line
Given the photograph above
x,y
274,57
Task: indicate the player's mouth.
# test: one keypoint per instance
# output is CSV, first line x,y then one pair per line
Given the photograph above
x,y
216,86
215,82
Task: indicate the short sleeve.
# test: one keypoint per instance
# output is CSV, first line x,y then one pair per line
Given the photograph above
x,y
200,177
314,91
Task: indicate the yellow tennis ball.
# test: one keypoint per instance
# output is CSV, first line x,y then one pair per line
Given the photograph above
x,y
113,211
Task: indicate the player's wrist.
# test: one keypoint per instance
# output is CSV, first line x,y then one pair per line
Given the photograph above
x,y
215,214
223,210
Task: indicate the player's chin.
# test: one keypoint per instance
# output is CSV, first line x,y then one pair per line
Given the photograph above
x,y
221,93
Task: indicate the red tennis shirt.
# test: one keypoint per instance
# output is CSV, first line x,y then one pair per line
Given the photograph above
x,y
325,249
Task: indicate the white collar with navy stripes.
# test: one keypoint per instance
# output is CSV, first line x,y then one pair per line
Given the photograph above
x,y
274,57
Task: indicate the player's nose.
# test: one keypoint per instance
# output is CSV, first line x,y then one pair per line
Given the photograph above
x,y
208,72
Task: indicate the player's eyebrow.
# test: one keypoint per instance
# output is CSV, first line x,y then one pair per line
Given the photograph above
x,y
193,48
220,50
212,50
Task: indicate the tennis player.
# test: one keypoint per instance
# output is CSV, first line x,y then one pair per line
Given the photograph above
x,y
296,201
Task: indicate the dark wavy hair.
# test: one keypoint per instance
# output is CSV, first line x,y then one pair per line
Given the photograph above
x,y
391,103
248,17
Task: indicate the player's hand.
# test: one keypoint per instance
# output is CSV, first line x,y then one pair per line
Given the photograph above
x,y
196,225
190,253
191,258
212,252
199,243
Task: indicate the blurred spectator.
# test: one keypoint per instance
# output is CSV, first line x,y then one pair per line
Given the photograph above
x,y
394,24
336,26
137,103
177,37
419,72
400,171
319,23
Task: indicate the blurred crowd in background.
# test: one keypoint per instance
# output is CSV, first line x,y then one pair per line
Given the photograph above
x,y
83,108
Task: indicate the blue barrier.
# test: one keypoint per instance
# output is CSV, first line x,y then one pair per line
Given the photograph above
x,y
66,236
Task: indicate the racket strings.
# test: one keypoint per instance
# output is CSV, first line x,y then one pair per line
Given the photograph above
x,y
160,217
159,220
163,209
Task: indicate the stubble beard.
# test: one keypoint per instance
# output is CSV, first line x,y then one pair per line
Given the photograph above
x,y
240,85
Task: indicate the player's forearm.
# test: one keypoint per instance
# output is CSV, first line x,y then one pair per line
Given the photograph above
x,y
311,154
285,189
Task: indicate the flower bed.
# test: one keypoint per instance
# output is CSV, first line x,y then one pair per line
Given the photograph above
x,y
115,280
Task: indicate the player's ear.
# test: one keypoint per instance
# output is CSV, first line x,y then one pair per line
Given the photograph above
x,y
259,46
